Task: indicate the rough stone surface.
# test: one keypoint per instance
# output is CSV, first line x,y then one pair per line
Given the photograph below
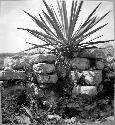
x,y
23,119
75,76
93,77
111,65
16,63
47,78
108,49
13,91
80,63
44,68
99,64
8,75
88,90
110,59
1,63
40,58
8,62
92,53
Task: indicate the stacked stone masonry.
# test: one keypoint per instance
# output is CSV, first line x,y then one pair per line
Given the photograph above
x,y
44,67
88,66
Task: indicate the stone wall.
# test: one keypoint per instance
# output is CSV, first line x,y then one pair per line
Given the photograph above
x,y
87,69
86,73
87,65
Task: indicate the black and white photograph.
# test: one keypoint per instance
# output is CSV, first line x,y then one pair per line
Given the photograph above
x,y
57,62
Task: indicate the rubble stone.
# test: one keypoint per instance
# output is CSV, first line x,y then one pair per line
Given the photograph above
x,y
17,63
43,68
99,65
88,90
40,58
92,53
80,63
110,59
93,77
47,78
75,76
8,75
1,63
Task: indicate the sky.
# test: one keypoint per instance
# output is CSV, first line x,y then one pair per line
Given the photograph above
x,y
12,17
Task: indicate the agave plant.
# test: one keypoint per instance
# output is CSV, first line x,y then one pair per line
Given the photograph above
x,y
59,33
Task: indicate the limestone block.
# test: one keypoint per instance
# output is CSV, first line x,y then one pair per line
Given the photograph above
x,y
93,77
70,121
16,63
88,90
80,63
40,58
110,59
99,64
23,119
1,63
57,117
110,62
47,78
1,67
8,75
92,53
44,68
108,49
8,62
75,75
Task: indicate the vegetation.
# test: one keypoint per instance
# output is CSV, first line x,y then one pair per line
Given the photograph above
x,y
59,33
65,37
62,39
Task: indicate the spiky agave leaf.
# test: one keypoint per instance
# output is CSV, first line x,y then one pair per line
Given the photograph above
x,y
39,23
42,36
49,32
88,18
60,33
63,35
96,42
82,36
52,19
